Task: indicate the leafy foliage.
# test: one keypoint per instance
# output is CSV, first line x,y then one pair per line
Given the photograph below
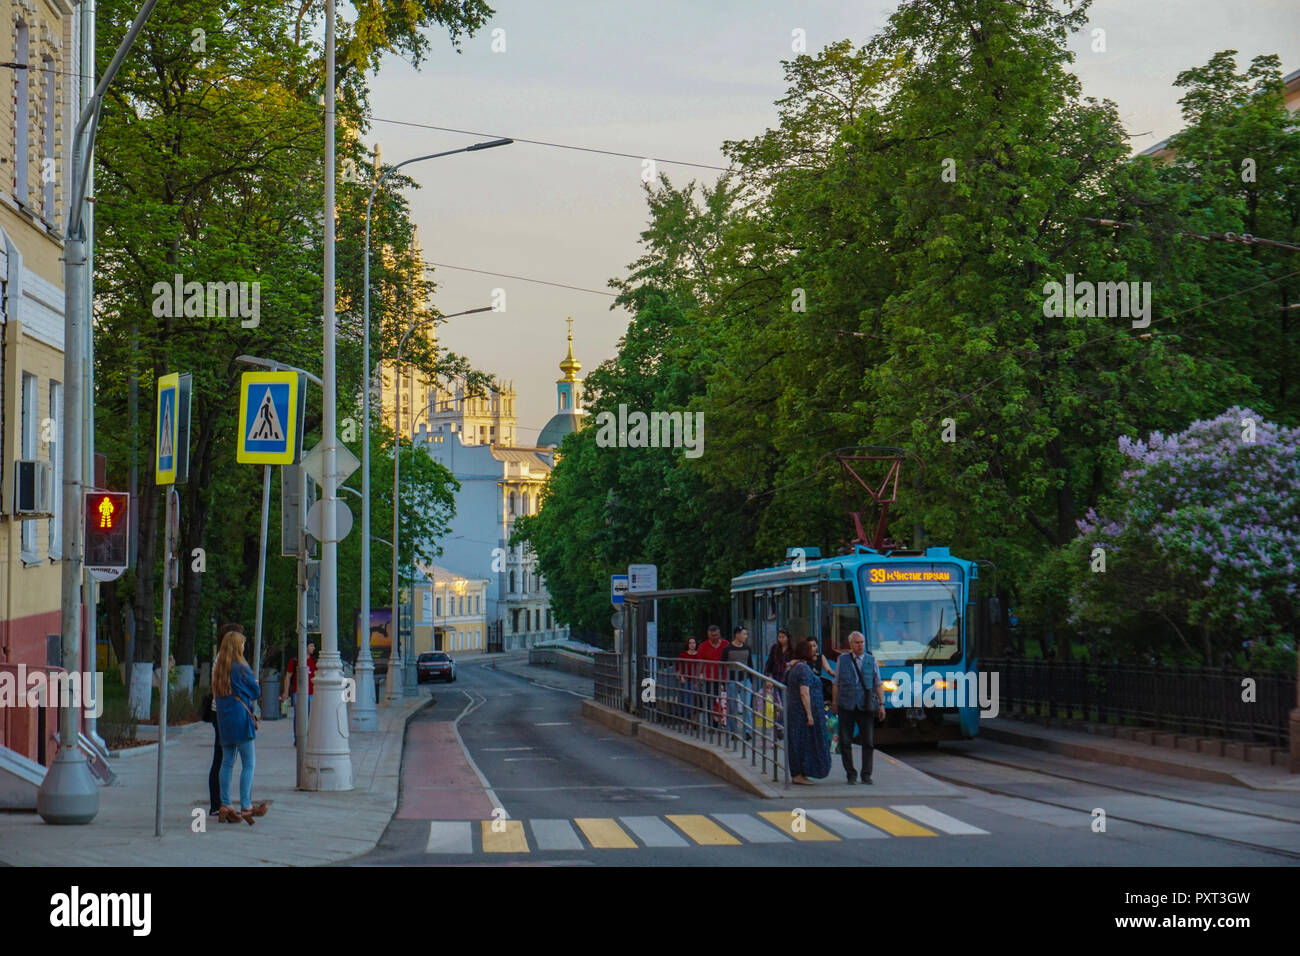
x,y
1202,533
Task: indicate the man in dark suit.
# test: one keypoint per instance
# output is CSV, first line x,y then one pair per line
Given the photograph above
x,y
857,696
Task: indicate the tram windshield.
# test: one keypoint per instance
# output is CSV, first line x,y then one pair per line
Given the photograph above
x,y
908,624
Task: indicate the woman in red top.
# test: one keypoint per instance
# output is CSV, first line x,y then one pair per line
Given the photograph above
x,y
688,671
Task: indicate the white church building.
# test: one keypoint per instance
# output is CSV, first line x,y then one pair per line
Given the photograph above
x,y
473,438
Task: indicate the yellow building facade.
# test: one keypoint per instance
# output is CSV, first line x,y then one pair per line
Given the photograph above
x,y
35,136
450,613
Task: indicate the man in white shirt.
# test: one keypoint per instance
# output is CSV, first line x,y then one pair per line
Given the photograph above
x,y
857,696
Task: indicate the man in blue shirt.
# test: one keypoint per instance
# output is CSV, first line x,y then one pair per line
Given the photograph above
x,y
857,696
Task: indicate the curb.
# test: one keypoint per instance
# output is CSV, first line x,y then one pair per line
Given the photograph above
x,y
1083,751
695,754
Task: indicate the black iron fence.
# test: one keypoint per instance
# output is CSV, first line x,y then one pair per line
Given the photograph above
x,y
607,679
1211,702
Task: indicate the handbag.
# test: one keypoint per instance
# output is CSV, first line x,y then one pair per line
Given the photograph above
x,y
257,721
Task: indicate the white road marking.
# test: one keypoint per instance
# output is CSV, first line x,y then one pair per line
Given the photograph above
x,y
751,829
455,728
554,723
450,837
846,826
499,750
653,832
555,835
513,759
940,821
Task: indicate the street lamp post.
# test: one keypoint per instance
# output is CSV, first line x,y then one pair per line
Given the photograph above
x,y
328,764
68,794
364,717
396,674
401,667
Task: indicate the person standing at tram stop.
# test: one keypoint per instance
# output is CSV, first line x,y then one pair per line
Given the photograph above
x,y
711,650
780,657
235,693
738,689
858,698
290,690
808,749
688,672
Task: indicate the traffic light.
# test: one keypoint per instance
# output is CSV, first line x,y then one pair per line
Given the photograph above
x,y
106,529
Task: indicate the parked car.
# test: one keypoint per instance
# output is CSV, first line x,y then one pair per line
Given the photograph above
x,y
435,664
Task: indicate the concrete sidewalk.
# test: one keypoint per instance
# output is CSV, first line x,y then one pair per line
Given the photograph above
x,y
892,778
301,829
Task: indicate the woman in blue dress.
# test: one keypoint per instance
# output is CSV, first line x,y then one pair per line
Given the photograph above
x,y
805,719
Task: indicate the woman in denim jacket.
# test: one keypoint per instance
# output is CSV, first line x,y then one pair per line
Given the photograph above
x,y
235,693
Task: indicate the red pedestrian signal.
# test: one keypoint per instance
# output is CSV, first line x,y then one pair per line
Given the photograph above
x,y
106,529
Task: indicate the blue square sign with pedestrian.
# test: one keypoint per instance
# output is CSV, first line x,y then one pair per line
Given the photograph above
x,y
269,418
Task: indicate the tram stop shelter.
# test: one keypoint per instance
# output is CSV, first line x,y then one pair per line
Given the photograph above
x,y
638,638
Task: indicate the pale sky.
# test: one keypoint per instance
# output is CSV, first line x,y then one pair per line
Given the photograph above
x,y
670,79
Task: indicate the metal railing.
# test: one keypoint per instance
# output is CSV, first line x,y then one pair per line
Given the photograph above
x,y
1187,700
607,679
728,705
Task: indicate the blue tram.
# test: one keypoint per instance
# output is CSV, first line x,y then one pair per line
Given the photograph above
x,y
919,610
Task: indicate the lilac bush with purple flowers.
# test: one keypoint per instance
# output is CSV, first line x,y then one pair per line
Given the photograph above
x,y
1201,539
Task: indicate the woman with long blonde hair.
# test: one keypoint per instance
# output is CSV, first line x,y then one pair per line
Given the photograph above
x,y
235,693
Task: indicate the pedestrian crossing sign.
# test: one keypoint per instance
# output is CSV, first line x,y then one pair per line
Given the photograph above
x,y
270,418
166,432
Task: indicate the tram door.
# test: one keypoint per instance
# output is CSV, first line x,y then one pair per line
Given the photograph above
x,y
770,612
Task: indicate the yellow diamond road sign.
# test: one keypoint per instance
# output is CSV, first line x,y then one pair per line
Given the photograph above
x,y
270,418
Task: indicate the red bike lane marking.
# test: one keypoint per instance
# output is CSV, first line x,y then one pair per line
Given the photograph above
x,y
438,782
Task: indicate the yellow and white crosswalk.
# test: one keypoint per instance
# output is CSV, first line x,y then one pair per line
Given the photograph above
x,y
694,829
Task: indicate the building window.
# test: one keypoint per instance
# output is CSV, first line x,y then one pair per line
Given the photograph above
x,y
30,426
526,503
514,621
564,401
548,618
514,503
437,611
21,143
55,423
512,585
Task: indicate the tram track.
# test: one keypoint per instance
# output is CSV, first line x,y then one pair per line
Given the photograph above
x,y
985,787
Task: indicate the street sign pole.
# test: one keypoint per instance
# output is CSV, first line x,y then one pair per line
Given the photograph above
x,y
300,716
261,572
164,649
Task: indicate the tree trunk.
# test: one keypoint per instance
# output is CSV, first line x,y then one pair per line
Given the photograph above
x,y
197,502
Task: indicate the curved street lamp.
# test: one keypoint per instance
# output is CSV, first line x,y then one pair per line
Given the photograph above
x,y
364,712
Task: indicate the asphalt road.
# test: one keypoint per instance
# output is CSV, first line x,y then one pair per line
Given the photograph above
x,y
546,786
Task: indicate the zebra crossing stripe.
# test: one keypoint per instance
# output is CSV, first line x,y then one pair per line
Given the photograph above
x,y
702,830
604,834
507,839
555,835
652,831
751,829
809,832
845,825
453,836
940,821
890,822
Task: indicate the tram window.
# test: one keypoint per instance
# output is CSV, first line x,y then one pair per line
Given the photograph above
x,y
838,592
838,622
799,621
